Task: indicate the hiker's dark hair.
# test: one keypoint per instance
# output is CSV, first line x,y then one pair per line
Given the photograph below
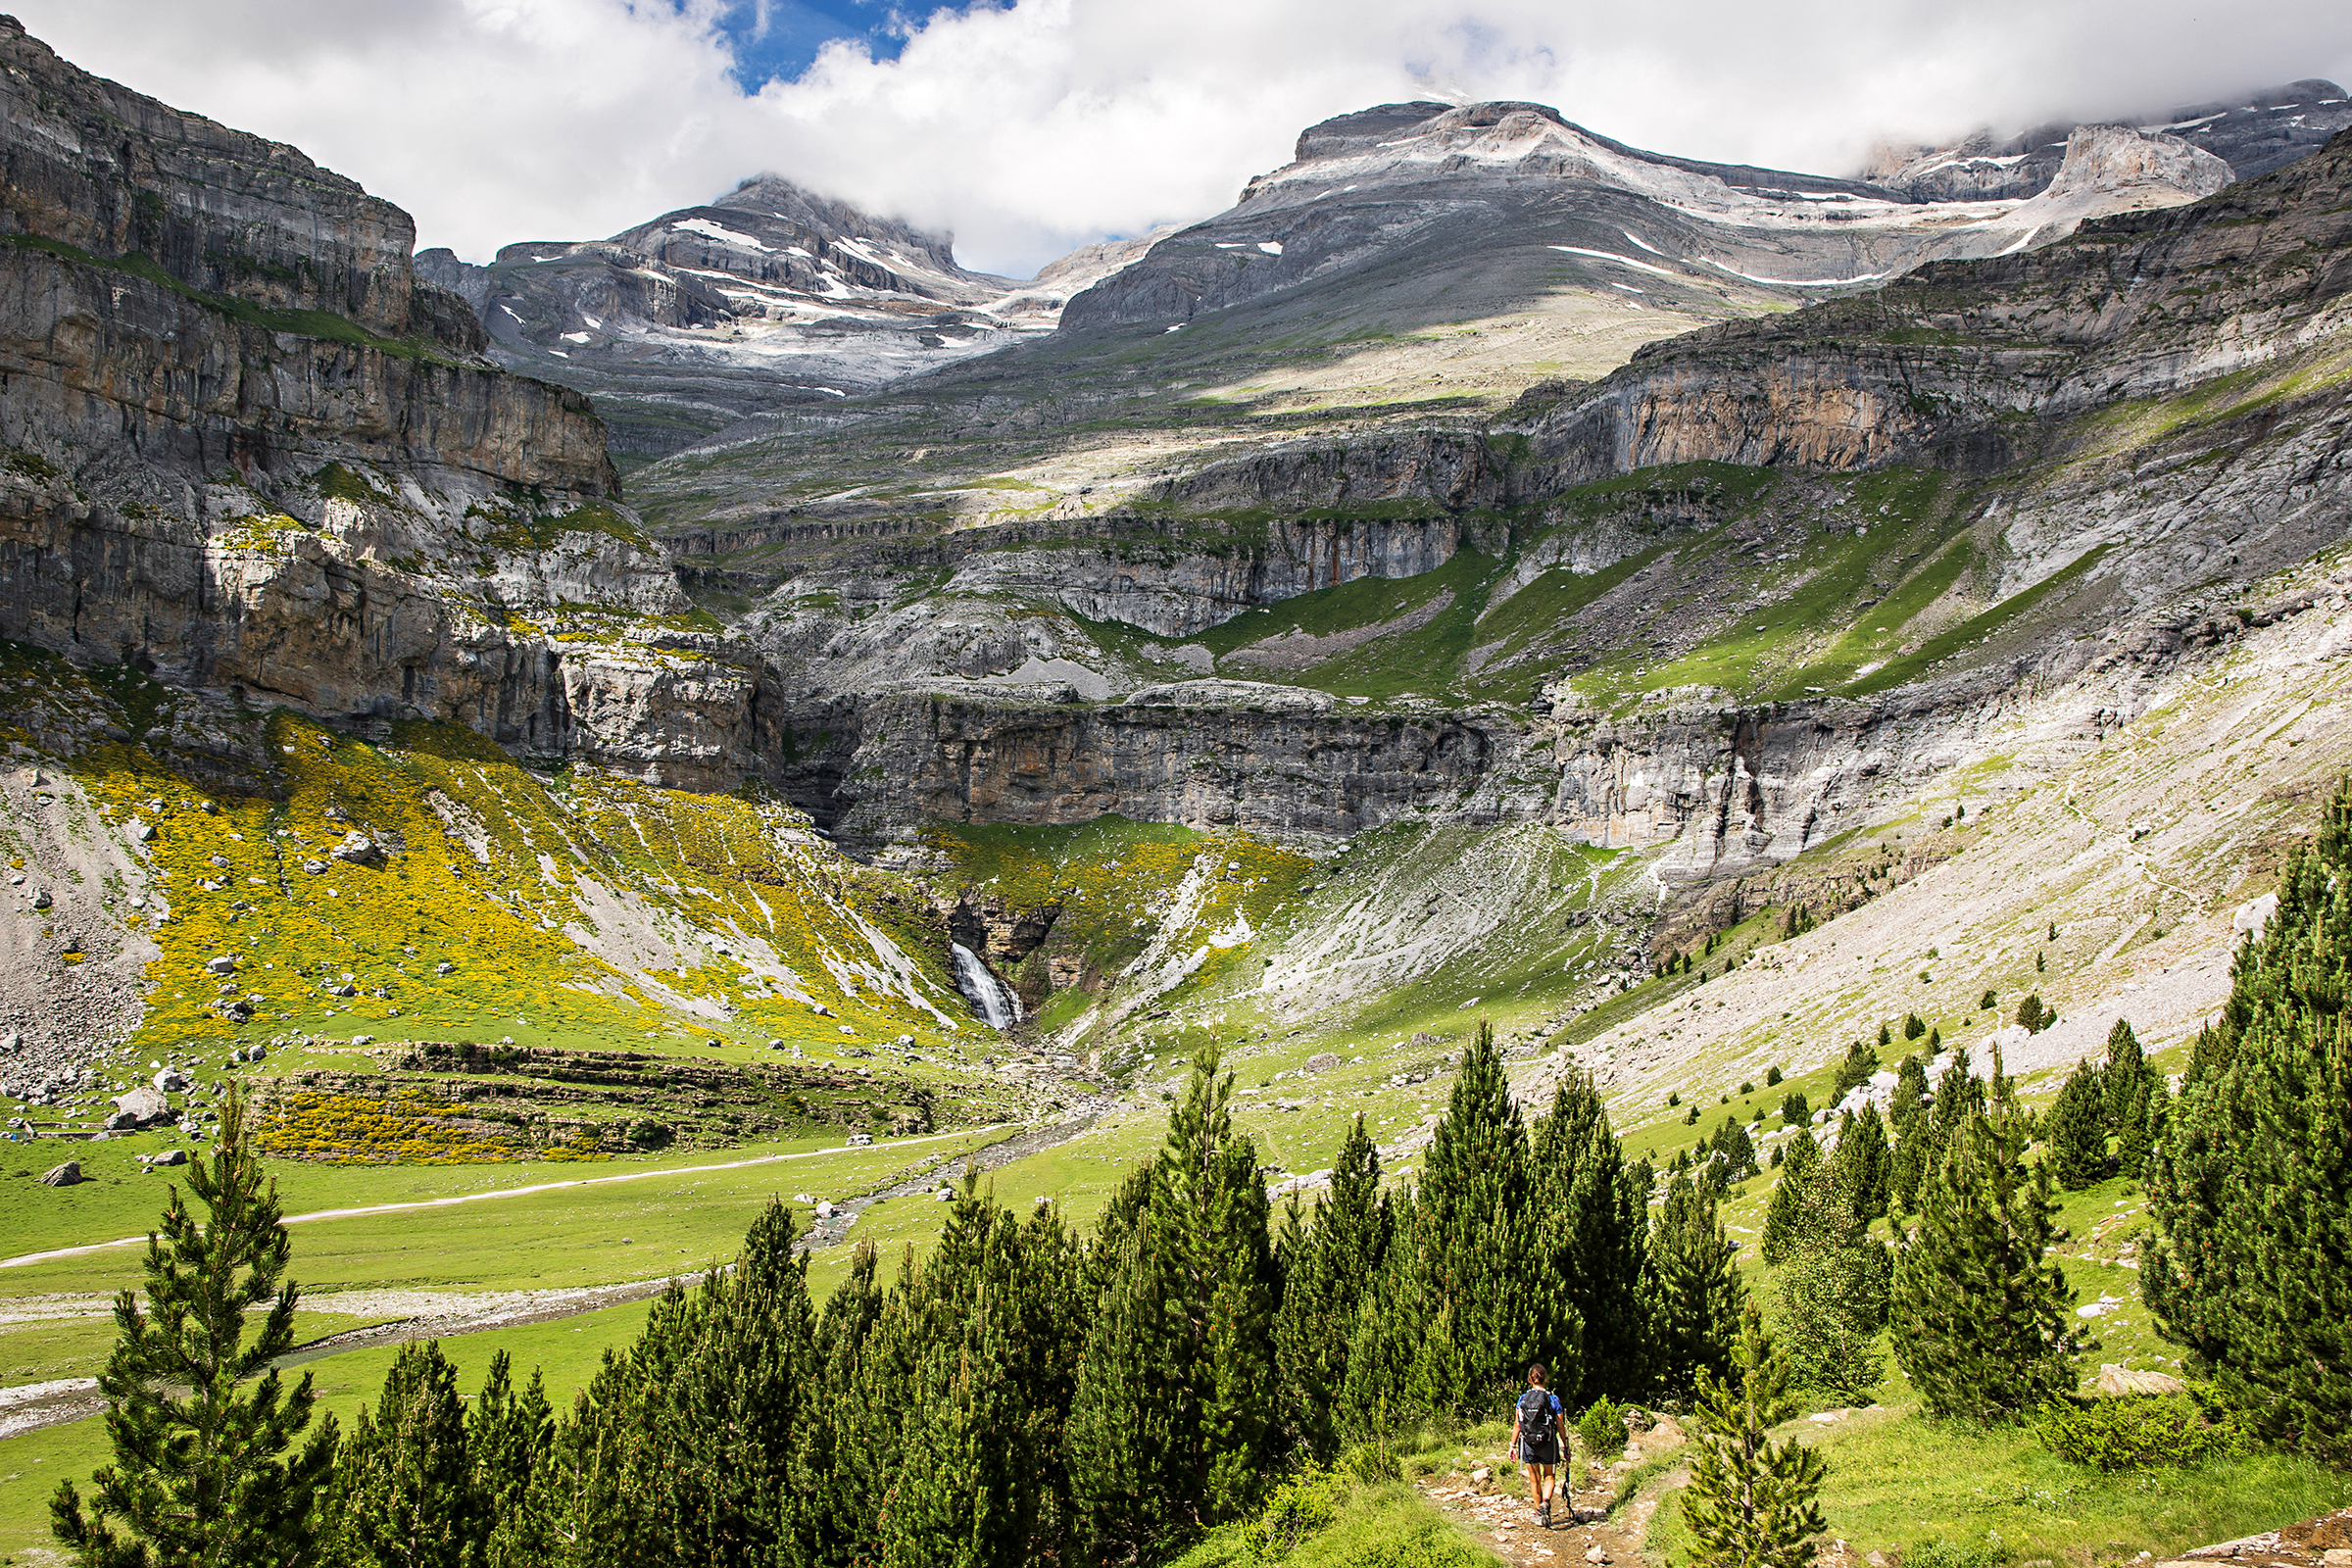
x,y
1536,1374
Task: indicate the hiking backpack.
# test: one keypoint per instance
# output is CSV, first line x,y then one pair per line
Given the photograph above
x,y
1535,1417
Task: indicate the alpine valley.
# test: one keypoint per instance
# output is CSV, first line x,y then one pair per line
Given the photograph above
x,y
751,707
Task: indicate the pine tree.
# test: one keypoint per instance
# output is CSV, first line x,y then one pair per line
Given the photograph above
x,y
204,1477
508,1437
1337,1253
1865,1167
2250,1186
2076,1131
1834,1289
1694,1288
1909,1113
681,1449
404,1494
2129,1083
1175,1414
1458,1321
1593,1221
1787,1196
1855,1070
1959,1097
1984,1318
838,1463
1734,1154
1751,1501
993,1325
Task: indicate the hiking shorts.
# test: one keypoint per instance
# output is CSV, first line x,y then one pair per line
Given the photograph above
x,y
1540,1451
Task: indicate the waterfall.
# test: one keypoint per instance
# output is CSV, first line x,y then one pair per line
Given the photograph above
x,y
995,999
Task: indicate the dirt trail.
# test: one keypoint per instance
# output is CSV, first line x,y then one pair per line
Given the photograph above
x,y
1497,1513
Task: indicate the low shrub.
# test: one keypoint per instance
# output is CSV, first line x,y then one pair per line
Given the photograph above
x,y
1368,1462
2133,1430
1306,1502
1601,1429
1936,1551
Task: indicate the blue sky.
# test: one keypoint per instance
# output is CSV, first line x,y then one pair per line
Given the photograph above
x,y
778,38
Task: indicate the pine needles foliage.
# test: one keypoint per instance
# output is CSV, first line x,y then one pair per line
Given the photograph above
x,y
1751,1501
1803,1156
680,1449
2077,1130
1834,1289
1468,1299
1695,1289
203,1429
1328,1267
404,1493
2250,1183
1983,1315
1592,1231
1172,1424
1865,1165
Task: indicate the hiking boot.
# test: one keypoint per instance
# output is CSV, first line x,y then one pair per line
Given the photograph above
x,y
1544,1516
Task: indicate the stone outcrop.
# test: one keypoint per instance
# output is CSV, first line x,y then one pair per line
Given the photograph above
x,y
1722,790
208,299
2252,135
97,357
251,455
113,172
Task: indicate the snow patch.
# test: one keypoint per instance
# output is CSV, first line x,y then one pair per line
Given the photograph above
x,y
1611,256
719,232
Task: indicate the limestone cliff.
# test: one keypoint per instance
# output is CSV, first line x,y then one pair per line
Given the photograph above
x,y
251,455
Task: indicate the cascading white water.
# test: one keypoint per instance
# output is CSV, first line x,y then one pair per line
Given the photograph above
x,y
995,999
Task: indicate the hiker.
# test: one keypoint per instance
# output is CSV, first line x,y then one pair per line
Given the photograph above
x,y
1535,1440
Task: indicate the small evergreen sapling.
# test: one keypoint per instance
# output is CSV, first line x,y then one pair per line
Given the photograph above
x,y
203,1471
1751,1501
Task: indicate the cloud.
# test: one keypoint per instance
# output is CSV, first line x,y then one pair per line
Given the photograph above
x,y
1031,127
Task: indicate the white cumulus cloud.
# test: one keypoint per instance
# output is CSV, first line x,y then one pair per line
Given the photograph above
x,y
1030,128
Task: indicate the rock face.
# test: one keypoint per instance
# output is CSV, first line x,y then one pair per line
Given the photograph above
x,y
2253,135
769,298
217,299
251,456
1419,181
111,172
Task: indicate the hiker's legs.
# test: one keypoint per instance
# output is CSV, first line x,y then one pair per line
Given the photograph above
x,y
1535,1485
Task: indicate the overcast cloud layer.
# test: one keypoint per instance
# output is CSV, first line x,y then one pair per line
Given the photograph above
x,y
1047,123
